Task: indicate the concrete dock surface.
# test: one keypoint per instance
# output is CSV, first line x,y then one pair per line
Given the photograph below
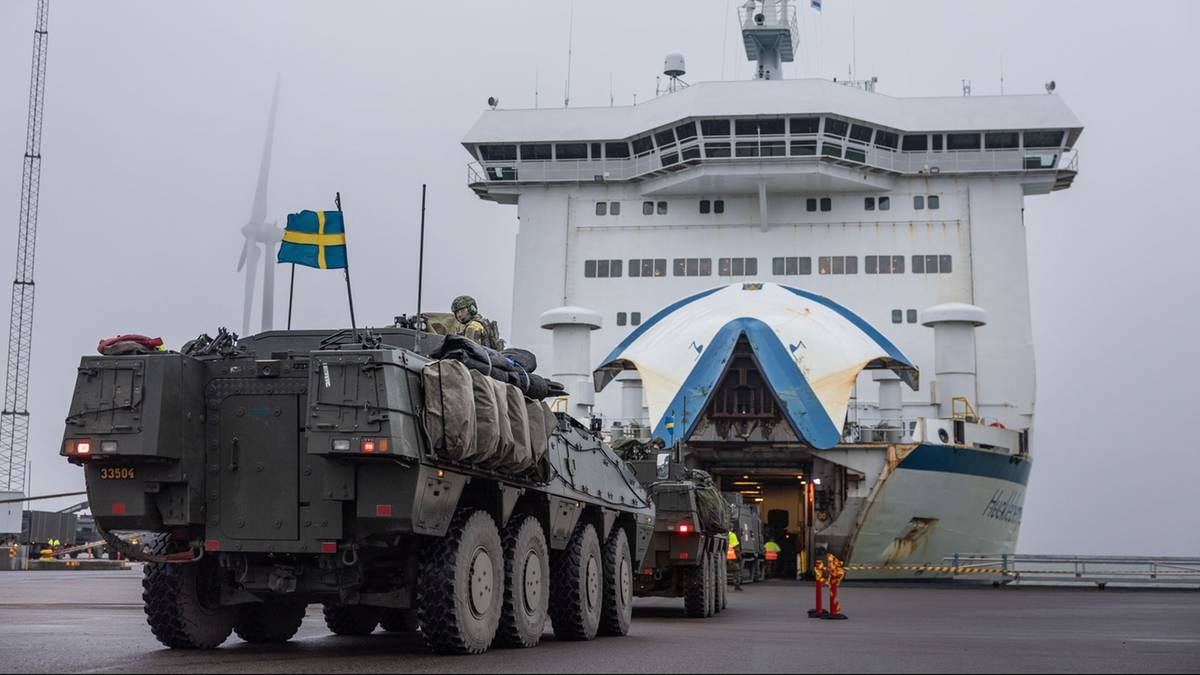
x,y
92,621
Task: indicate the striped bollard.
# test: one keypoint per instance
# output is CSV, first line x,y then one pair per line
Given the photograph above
x,y
837,572
819,576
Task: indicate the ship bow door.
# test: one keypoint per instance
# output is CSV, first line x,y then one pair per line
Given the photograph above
x,y
260,467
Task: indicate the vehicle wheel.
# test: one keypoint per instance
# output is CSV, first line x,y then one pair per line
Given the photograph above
x,y
617,610
713,599
577,587
698,590
399,621
460,591
181,601
526,584
722,581
269,622
351,619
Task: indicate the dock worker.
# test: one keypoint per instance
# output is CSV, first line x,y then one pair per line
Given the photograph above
x,y
734,555
473,325
772,555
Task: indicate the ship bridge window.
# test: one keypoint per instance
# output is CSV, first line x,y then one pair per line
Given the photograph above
x,y
861,133
535,151
804,148
856,154
761,149
831,149
931,264
887,139
936,142
596,152
686,131
915,143
715,127
962,141
791,266
1001,140
835,127
648,267
693,267
737,267
805,125
616,150
837,264
571,151
498,153
601,269
767,126
1043,139
716,150
642,146
664,137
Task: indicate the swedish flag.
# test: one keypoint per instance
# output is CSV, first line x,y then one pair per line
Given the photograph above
x,y
315,239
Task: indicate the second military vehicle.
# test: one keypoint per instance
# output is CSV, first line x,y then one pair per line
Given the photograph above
x,y
356,471
686,554
748,524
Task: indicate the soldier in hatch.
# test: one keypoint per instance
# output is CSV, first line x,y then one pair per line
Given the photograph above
x,y
472,325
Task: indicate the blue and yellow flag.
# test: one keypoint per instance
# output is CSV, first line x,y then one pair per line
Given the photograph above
x,y
315,239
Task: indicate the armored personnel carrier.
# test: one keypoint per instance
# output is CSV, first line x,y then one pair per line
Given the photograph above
x,y
748,524
359,472
686,554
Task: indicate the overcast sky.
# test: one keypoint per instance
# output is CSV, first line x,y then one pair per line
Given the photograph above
x,y
154,121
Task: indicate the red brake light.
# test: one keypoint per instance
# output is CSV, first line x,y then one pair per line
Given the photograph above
x,y
368,445
684,529
79,447
374,445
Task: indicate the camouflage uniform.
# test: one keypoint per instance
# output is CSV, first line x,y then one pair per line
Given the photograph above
x,y
475,328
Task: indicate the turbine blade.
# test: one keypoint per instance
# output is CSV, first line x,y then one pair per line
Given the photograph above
x,y
242,260
268,299
258,213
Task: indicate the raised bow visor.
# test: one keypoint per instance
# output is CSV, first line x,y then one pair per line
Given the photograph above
x,y
806,349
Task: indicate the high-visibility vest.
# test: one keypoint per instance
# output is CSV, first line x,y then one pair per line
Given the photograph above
x,y
731,553
772,550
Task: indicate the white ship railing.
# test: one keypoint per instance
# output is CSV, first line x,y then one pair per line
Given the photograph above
x,y
1073,570
766,150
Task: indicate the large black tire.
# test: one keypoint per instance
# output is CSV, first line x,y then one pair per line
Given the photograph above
x,y
722,581
577,586
526,584
351,620
269,622
617,610
460,590
698,590
400,621
181,601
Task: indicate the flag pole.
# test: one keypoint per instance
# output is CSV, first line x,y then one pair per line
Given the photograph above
x,y
337,200
421,252
291,294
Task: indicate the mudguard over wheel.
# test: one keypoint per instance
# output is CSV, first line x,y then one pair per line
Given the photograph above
x,y
399,621
351,619
617,611
460,590
181,601
698,590
577,586
269,622
526,584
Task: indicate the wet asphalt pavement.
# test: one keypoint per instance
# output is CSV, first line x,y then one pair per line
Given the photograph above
x,y
86,621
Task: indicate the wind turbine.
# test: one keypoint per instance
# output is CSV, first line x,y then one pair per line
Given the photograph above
x,y
257,231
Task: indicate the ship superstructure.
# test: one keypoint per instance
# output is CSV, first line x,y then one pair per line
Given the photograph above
x,y
887,206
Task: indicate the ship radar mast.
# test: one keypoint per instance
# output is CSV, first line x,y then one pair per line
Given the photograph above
x,y
771,34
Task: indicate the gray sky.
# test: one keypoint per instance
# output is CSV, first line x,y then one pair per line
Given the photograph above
x,y
154,121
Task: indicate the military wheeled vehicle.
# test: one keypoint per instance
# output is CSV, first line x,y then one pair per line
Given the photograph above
x,y
356,471
747,522
686,555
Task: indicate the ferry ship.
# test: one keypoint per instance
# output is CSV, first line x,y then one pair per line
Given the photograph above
x,y
696,248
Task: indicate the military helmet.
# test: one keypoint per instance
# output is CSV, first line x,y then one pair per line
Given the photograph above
x,y
464,302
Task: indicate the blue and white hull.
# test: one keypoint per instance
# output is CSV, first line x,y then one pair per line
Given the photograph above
x,y
937,502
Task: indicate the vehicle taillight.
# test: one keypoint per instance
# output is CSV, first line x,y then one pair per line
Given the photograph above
x,y
374,445
684,529
80,447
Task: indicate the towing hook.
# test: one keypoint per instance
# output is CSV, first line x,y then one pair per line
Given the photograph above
x,y
349,556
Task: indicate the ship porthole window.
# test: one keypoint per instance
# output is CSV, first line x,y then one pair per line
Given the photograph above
x,y
943,436
935,202
869,203
897,316
647,208
719,206
918,202
614,208
621,318
826,204
912,316
810,205
885,203
705,206
662,208
635,318
602,208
